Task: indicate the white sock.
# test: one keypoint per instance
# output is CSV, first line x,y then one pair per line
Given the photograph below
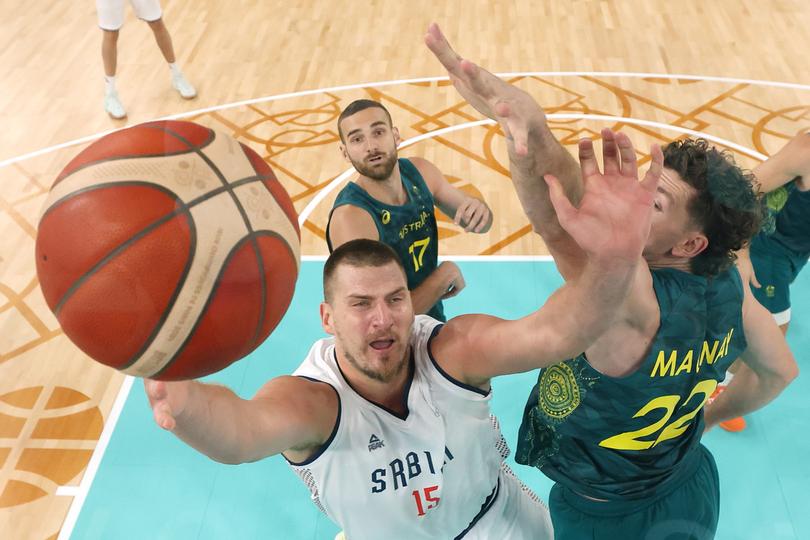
x,y
109,84
175,70
727,380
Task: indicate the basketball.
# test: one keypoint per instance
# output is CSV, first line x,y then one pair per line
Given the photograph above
x,y
168,250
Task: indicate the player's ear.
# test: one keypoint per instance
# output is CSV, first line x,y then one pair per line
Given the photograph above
x,y
326,318
344,152
397,138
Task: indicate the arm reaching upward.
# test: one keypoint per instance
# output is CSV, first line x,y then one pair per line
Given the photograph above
x,y
611,227
533,149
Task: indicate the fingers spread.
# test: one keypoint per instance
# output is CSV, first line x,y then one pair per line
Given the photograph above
x,y
610,154
562,206
439,46
653,176
587,159
629,167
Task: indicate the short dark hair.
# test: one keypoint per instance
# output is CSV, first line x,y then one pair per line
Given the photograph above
x,y
361,252
360,105
727,207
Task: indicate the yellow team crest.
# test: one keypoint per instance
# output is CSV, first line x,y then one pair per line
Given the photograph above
x,y
385,217
770,291
558,391
776,199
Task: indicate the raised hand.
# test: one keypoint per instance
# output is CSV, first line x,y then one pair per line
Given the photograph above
x,y
614,215
512,108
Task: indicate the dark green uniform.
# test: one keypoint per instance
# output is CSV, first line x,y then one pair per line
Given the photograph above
x,y
779,256
634,441
410,228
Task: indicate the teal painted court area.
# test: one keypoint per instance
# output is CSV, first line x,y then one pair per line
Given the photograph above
x,y
152,486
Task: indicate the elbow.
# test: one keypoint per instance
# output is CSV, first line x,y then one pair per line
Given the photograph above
x,y
791,372
229,459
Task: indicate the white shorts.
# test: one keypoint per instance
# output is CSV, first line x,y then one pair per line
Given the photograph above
x,y
782,318
111,12
517,514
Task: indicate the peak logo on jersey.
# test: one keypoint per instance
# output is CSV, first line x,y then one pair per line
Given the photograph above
x,y
385,216
374,443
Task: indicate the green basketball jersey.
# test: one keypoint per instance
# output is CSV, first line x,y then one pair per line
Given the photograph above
x,y
790,209
410,229
630,437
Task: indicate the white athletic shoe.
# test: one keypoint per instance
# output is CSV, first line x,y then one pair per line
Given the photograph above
x,y
113,106
183,86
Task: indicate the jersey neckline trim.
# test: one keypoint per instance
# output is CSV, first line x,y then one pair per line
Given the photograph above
x,y
405,395
444,374
331,438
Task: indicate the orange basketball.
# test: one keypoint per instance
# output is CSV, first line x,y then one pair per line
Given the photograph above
x,y
168,250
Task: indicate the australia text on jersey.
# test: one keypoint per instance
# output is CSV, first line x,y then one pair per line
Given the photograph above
x,y
665,364
415,226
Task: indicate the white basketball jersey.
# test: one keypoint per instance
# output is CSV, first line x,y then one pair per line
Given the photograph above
x,y
436,473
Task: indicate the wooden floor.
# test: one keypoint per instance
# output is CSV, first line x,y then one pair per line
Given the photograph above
x,y
54,401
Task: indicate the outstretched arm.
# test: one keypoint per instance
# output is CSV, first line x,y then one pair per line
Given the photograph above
x,y
533,149
289,414
611,226
768,367
791,162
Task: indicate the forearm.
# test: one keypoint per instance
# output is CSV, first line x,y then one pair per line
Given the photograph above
x,y
214,423
430,291
545,156
747,392
581,311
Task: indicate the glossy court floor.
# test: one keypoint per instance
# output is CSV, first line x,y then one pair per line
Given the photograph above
x,y
79,455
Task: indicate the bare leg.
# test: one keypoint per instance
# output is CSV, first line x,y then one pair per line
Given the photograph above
x,y
109,51
163,39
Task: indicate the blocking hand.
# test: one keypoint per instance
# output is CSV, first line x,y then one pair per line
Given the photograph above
x,y
614,215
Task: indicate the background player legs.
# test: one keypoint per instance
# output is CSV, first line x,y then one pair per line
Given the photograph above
x,y
164,42
109,54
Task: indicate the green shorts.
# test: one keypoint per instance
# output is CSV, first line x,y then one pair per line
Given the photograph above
x,y
776,267
688,512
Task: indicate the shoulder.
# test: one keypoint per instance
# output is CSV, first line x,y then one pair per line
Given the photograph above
x,y
348,222
429,172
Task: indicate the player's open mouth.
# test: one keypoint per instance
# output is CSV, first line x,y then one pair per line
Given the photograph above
x,y
382,344
376,159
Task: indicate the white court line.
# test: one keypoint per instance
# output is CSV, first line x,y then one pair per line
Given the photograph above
x,y
323,193
348,172
80,492
378,84
67,491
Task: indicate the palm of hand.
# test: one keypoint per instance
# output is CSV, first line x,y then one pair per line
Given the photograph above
x,y
613,219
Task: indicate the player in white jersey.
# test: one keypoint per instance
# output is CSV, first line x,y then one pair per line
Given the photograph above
x,y
418,458
388,422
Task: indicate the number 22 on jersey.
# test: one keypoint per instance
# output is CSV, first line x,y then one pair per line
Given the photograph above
x,y
632,440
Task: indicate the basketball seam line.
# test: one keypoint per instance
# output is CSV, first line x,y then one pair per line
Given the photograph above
x,y
245,219
214,289
184,207
116,158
